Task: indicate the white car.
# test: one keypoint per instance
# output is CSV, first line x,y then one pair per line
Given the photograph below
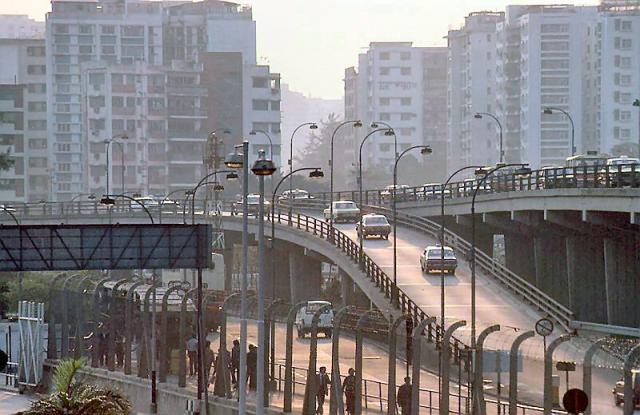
x,y
305,317
295,194
433,191
344,210
148,201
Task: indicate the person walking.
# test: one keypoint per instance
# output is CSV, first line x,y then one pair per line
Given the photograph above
x,y
209,358
404,396
349,390
235,362
252,366
322,389
192,353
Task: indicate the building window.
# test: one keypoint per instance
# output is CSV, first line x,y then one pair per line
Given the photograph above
x,y
37,162
406,116
405,101
384,147
405,71
37,125
36,69
275,105
260,82
85,50
60,28
385,116
37,106
626,26
626,43
108,30
625,116
86,29
405,56
384,70
260,105
37,88
35,51
625,80
384,56
384,101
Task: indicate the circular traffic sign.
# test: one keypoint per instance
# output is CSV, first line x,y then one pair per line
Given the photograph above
x,y
544,327
575,401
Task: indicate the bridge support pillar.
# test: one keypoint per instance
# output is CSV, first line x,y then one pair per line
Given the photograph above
x,y
621,270
277,272
551,266
518,255
305,275
585,278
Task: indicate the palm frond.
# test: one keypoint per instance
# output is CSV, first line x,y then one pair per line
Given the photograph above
x,y
65,372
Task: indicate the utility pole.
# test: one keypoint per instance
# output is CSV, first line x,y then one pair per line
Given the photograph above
x,y
213,161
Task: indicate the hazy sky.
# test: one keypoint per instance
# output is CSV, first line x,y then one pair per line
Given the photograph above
x,y
310,42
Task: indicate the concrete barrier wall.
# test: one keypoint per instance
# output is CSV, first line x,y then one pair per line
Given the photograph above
x,y
172,400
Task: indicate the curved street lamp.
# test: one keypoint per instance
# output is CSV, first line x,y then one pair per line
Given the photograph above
x,y
195,190
522,170
394,291
377,124
549,111
110,200
266,134
636,103
479,116
108,142
387,132
312,126
356,124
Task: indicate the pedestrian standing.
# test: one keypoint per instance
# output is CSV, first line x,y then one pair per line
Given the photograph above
x,y
252,366
349,390
235,362
404,396
192,352
322,390
209,358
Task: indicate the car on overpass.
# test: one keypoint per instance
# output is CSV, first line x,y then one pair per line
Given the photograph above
x,y
399,191
433,191
431,260
253,205
621,171
343,210
586,167
555,177
295,194
374,225
618,389
305,316
467,187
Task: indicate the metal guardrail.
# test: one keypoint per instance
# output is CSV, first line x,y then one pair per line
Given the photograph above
x,y
500,273
559,178
375,398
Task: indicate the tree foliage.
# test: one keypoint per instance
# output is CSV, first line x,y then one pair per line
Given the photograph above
x,y
74,397
6,161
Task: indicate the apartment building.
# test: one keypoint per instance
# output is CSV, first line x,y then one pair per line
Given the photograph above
x,y
471,89
144,66
23,80
434,108
20,26
612,123
545,47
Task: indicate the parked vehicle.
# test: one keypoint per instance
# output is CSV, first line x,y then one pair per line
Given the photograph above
x,y
621,171
374,225
618,390
305,316
253,205
344,210
295,194
148,201
433,191
586,167
556,177
468,185
400,192
431,260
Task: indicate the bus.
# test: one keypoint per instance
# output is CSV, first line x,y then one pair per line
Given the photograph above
x,y
586,167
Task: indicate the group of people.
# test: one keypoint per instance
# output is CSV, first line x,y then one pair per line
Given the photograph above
x,y
232,359
403,398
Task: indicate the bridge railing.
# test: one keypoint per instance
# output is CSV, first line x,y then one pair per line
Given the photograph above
x,y
499,272
583,177
375,274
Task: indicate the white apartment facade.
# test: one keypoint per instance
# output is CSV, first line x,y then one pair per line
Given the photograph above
x,y
616,78
471,89
23,119
386,89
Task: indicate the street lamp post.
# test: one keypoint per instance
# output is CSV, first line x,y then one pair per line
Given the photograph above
x,y
237,161
377,124
636,103
387,132
261,168
394,290
312,126
211,160
522,170
356,124
549,111
108,143
479,115
195,190
266,134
